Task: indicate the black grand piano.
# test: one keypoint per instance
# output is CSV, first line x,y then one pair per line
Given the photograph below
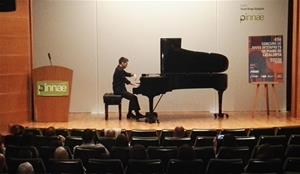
x,y
183,69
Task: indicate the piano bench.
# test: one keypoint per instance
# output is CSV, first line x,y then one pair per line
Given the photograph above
x,y
112,99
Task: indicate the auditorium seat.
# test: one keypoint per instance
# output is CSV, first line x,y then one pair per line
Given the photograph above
x,y
205,153
13,140
146,141
176,166
203,132
143,133
292,151
288,131
201,141
47,153
121,153
73,141
76,132
241,152
291,165
249,141
37,164
86,153
105,166
294,139
278,151
272,140
62,131
257,132
46,141
176,141
108,142
269,165
147,166
70,166
21,152
235,132
33,131
166,133
224,166
164,153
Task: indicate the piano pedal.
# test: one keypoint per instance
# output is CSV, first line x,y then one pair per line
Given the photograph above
x,y
220,115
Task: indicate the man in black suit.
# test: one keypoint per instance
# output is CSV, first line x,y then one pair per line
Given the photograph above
x,y
119,81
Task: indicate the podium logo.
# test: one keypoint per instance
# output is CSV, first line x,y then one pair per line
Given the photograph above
x,y
52,88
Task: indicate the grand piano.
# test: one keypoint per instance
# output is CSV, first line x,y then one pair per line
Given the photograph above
x,y
184,69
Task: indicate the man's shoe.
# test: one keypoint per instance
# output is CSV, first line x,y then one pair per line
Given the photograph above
x,y
130,115
139,115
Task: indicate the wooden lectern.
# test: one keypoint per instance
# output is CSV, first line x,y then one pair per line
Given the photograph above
x,y
52,90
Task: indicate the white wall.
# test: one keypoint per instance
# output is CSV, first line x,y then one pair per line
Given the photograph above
x,y
90,36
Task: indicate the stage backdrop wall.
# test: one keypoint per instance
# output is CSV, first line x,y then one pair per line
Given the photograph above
x,y
90,36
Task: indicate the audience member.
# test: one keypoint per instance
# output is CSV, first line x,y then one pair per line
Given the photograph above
x,y
2,147
179,132
122,141
25,168
88,138
61,140
186,152
61,153
110,133
49,132
138,151
16,129
3,166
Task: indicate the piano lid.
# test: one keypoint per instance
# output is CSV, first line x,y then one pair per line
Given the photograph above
x,y
175,60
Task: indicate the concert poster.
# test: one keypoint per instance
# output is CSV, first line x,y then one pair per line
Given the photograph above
x,y
265,59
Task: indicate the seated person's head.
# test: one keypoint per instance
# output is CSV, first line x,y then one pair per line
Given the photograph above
x,y
186,152
110,133
227,140
179,132
138,152
122,140
88,136
3,166
61,153
16,129
264,151
50,131
2,144
25,168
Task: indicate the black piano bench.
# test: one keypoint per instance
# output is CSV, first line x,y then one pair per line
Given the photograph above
x,y
112,99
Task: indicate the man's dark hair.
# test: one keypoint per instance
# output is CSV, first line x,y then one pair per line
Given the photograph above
x,y
179,132
50,131
16,129
123,60
122,140
88,136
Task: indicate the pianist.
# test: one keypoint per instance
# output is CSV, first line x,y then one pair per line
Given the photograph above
x,y
119,81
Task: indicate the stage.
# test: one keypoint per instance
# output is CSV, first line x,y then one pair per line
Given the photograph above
x,y
169,120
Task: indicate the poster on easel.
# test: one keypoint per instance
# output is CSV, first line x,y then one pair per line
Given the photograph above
x,y
265,59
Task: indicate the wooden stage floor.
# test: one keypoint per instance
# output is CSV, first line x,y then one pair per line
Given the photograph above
x,y
169,120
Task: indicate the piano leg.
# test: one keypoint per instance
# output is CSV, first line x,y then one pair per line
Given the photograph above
x,y
220,114
151,117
